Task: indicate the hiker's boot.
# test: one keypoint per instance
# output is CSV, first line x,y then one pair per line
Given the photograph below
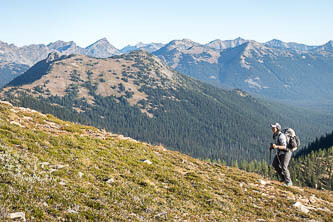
x,y
288,184
281,178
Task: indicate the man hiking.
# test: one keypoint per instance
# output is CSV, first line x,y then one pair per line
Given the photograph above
x,y
283,154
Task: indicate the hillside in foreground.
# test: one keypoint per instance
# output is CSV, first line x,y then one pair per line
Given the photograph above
x,y
52,170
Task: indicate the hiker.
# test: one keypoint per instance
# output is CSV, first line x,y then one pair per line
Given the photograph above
x,y
283,154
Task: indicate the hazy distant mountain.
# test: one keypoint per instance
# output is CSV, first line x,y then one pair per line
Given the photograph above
x,y
101,49
288,75
151,47
16,60
66,48
8,71
326,47
27,55
274,69
31,54
285,71
220,45
275,43
191,58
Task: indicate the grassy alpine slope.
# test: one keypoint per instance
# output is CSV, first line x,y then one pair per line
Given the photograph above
x,y
52,170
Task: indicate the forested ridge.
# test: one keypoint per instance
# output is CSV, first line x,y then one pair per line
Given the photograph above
x,y
181,113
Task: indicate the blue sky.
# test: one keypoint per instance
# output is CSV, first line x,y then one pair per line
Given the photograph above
x,y
125,22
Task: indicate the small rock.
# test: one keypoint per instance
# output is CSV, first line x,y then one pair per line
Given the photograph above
x,y
27,118
62,183
262,182
72,211
147,161
44,164
160,215
17,215
111,180
301,207
16,123
59,166
313,199
6,102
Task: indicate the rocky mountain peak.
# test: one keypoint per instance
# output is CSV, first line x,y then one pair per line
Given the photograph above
x,y
251,45
220,45
140,45
53,56
5,46
61,45
216,44
150,47
181,44
102,41
275,43
239,39
329,45
101,49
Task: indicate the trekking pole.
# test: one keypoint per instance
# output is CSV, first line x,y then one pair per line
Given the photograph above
x,y
270,162
277,156
270,156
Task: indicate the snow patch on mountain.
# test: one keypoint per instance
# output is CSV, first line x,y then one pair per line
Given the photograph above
x,y
244,63
255,83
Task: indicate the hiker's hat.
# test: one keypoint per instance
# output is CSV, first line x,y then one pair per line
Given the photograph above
x,y
276,125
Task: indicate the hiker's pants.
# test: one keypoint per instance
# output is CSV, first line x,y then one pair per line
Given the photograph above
x,y
281,162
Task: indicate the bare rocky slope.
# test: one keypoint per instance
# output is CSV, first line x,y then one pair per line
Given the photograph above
x,y
51,170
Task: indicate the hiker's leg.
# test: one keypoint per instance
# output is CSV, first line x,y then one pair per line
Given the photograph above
x,y
277,167
285,162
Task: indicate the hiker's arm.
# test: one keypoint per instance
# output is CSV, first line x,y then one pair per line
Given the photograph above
x,y
280,147
282,141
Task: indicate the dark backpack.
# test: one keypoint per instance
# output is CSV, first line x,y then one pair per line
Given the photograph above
x,y
293,141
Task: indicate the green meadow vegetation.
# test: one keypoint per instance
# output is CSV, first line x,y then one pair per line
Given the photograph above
x,y
53,170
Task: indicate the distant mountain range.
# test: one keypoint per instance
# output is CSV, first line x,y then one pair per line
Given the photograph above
x,y
289,72
16,60
138,95
151,47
